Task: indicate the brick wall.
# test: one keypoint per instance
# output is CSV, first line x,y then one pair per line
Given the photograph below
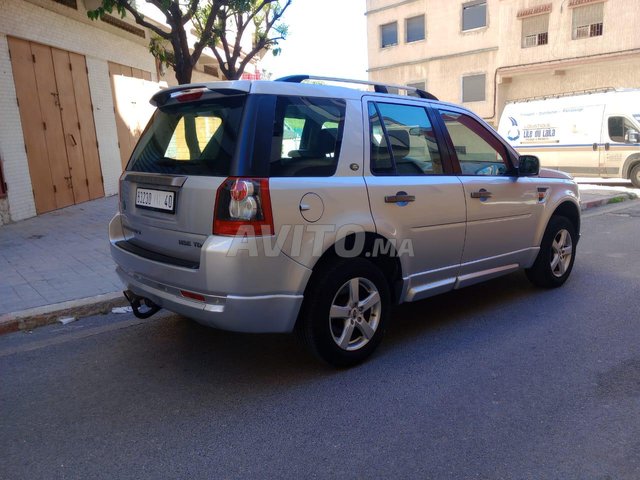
x,y
12,153
53,24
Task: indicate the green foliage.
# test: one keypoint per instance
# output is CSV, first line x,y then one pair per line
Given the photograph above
x,y
219,25
107,7
161,50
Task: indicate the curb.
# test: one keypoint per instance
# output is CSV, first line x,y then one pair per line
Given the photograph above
x,y
608,200
47,314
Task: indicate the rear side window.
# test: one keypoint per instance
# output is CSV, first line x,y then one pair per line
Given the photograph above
x,y
402,141
191,139
307,135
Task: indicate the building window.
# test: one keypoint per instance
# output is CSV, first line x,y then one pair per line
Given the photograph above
x,y
68,3
535,31
587,21
418,85
121,24
474,15
414,28
473,87
389,34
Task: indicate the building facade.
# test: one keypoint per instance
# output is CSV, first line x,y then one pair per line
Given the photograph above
x,y
485,53
73,101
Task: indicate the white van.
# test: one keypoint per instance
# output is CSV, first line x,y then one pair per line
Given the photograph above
x,y
590,135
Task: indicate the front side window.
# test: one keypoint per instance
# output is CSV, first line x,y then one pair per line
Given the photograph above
x,y
402,141
474,15
619,128
193,138
535,31
307,135
414,27
389,34
473,88
477,150
587,21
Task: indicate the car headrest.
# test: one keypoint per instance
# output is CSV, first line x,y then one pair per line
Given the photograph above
x,y
400,143
326,141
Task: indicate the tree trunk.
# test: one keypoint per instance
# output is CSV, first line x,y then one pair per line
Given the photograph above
x,y
183,73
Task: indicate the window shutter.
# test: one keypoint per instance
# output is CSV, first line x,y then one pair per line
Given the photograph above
x,y
587,15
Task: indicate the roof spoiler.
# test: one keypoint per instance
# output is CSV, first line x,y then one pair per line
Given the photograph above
x,y
163,96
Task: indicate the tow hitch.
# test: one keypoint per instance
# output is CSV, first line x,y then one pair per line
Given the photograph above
x,y
142,307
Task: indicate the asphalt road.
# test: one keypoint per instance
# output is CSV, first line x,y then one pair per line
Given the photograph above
x,y
500,380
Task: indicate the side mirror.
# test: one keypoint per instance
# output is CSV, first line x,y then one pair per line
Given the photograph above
x,y
528,165
632,136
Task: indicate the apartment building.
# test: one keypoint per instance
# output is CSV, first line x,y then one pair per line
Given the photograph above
x,y
484,53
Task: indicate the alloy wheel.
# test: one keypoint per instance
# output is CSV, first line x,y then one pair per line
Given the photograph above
x,y
355,314
561,252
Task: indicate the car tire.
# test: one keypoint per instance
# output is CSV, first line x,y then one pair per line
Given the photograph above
x,y
345,311
555,259
635,176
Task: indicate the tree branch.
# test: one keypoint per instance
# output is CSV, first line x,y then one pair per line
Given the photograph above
x,y
206,32
193,7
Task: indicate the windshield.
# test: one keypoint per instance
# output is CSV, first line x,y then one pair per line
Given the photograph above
x,y
194,139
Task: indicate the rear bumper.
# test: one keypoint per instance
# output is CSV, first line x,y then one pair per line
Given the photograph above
x,y
254,314
242,293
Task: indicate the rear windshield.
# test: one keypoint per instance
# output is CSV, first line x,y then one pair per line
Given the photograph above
x,y
191,139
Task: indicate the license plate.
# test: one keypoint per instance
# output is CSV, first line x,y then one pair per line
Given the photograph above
x,y
155,199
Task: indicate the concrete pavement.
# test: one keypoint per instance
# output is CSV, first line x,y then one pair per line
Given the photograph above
x,y
58,264
54,261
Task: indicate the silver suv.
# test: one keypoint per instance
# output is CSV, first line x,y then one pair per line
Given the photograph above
x,y
281,206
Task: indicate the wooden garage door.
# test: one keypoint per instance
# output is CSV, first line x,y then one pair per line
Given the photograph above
x,y
126,121
57,123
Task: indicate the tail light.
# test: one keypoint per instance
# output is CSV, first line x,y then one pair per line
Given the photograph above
x,y
188,95
243,205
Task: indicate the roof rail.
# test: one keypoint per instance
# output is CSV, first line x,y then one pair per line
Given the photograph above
x,y
378,87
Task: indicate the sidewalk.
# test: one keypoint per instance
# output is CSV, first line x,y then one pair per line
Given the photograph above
x,y
57,257
58,264
597,195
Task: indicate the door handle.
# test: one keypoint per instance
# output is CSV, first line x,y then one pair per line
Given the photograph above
x,y
595,147
399,197
606,146
482,193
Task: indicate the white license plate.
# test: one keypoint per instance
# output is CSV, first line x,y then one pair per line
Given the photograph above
x,y
155,199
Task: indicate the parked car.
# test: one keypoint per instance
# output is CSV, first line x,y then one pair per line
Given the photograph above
x,y
385,199
589,135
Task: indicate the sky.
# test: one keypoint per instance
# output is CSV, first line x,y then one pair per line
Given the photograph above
x,y
326,38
